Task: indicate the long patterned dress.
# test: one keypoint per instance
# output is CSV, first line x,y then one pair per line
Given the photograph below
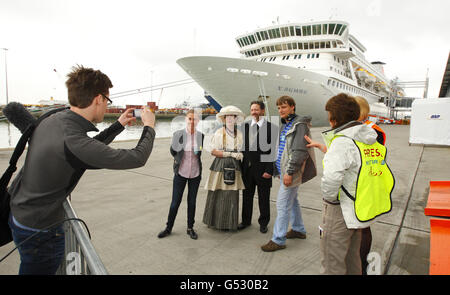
x,y
222,203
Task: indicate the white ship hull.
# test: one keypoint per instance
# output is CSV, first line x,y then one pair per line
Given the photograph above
x,y
235,81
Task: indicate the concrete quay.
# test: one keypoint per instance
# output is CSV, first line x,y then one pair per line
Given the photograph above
x,y
125,210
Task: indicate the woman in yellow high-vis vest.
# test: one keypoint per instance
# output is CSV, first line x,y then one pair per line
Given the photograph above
x,y
356,186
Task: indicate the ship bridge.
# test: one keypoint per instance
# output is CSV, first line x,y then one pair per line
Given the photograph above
x,y
331,36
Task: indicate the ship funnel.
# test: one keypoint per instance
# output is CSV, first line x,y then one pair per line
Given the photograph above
x,y
378,65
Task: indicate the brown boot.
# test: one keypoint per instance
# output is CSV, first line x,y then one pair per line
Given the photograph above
x,y
292,234
272,246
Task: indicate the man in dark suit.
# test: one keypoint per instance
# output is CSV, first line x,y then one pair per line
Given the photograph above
x,y
257,165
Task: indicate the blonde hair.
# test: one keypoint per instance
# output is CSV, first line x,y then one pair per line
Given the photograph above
x,y
364,108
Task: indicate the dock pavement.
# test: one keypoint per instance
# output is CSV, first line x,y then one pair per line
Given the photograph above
x,y
125,211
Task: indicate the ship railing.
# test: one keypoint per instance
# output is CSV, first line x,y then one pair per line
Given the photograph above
x,y
80,257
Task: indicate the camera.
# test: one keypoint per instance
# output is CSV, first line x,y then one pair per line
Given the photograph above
x,y
137,113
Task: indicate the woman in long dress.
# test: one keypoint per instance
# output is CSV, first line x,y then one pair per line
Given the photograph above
x,y
225,177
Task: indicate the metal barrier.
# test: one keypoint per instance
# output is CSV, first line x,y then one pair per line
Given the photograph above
x,y
80,256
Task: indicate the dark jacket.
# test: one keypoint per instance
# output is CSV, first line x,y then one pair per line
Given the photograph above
x,y
59,152
259,151
177,148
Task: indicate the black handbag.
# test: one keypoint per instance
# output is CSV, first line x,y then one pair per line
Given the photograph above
x,y
5,231
229,173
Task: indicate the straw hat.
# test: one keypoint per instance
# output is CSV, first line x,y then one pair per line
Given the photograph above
x,y
230,110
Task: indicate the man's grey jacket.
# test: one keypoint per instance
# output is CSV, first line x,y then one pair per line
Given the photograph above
x,y
59,152
298,160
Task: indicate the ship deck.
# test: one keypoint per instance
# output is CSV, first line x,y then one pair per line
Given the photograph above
x,y
125,210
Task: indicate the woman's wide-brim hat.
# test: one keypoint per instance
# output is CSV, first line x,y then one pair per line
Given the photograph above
x,y
230,111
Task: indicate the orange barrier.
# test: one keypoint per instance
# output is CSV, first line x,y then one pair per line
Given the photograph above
x,y
440,246
438,199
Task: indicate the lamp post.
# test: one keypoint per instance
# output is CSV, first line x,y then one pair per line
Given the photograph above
x,y
151,85
6,75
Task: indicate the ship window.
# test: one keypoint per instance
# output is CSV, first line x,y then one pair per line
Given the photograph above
x,y
274,58
306,30
311,45
327,44
334,44
289,46
283,57
305,46
342,30
258,36
300,45
322,44
317,30
333,83
292,31
283,46
325,29
277,32
317,55
287,57
338,28
317,45
294,45
278,47
284,32
263,50
329,81
271,34
309,55
299,56
272,48
331,28
298,30
295,56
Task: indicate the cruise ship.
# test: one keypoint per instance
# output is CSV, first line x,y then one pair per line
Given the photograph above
x,y
310,62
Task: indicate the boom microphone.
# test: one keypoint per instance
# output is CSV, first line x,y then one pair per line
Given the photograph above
x,y
16,113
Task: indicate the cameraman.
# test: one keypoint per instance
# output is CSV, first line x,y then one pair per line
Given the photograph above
x,y
59,152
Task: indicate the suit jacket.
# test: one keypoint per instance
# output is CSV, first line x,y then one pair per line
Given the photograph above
x,y
259,151
177,148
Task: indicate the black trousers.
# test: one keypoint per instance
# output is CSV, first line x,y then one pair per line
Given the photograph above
x,y
179,184
263,201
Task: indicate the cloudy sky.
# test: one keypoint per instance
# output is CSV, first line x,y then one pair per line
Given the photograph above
x,y
136,43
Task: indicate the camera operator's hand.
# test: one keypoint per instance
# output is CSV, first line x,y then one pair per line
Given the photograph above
x,y
148,117
127,117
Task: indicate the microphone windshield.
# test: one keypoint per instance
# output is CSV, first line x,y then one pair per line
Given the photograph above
x,y
16,113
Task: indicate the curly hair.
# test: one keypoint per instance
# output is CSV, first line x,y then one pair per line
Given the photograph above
x,y
343,108
84,84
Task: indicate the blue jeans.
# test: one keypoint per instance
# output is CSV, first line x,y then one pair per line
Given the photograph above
x,y
288,209
42,254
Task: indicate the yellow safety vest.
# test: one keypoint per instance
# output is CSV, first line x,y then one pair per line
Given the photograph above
x,y
374,184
